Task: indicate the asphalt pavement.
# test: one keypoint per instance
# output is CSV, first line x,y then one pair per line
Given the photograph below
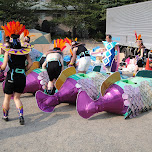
x,y
65,131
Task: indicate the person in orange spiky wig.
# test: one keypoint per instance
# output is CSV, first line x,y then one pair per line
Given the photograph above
x,y
15,56
139,54
54,64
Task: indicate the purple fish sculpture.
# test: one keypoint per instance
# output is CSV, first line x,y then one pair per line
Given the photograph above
x,y
127,97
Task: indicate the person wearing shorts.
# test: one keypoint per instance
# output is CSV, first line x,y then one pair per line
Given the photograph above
x,y
54,66
139,56
16,79
85,60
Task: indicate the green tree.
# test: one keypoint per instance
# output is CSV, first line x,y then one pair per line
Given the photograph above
x,y
89,14
18,10
82,14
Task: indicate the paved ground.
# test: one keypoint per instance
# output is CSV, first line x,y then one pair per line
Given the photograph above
x,y
65,131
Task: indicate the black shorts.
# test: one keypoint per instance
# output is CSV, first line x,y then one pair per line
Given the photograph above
x,y
140,63
42,60
54,69
16,85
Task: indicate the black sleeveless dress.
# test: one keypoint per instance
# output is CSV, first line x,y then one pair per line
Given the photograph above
x,y
16,78
140,62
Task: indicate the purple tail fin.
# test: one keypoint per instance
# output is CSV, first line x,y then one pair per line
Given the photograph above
x,y
112,102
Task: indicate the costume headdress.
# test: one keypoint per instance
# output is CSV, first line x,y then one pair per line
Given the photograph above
x,y
26,36
69,41
74,42
13,30
137,37
59,43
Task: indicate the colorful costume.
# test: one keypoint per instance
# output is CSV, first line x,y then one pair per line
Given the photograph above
x,y
85,60
54,65
140,62
109,55
34,84
126,97
16,78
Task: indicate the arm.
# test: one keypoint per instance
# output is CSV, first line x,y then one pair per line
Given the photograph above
x,y
29,62
116,48
3,66
141,54
116,52
73,57
44,65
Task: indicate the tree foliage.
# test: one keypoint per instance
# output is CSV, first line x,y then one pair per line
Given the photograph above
x,y
88,14
18,10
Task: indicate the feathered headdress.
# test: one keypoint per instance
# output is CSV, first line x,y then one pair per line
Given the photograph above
x,y
60,43
13,30
67,40
26,33
26,36
75,41
137,37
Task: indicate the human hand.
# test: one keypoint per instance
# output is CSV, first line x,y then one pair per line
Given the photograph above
x,y
70,64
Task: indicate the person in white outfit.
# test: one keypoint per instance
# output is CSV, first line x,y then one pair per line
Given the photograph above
x,y
85,60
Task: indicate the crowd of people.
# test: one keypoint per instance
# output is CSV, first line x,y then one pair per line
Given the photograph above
x,y
15,56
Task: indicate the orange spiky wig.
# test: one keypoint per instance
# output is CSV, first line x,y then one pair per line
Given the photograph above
x,y
13,30
26,34
59,43
27,39
67,40
137,37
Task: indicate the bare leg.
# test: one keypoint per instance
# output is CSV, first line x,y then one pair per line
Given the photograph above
x,y
140,68
50,85
135,71
6,102
17,100
5,106
19,107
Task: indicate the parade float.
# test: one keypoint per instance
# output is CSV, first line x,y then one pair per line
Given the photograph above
x,y
96,92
